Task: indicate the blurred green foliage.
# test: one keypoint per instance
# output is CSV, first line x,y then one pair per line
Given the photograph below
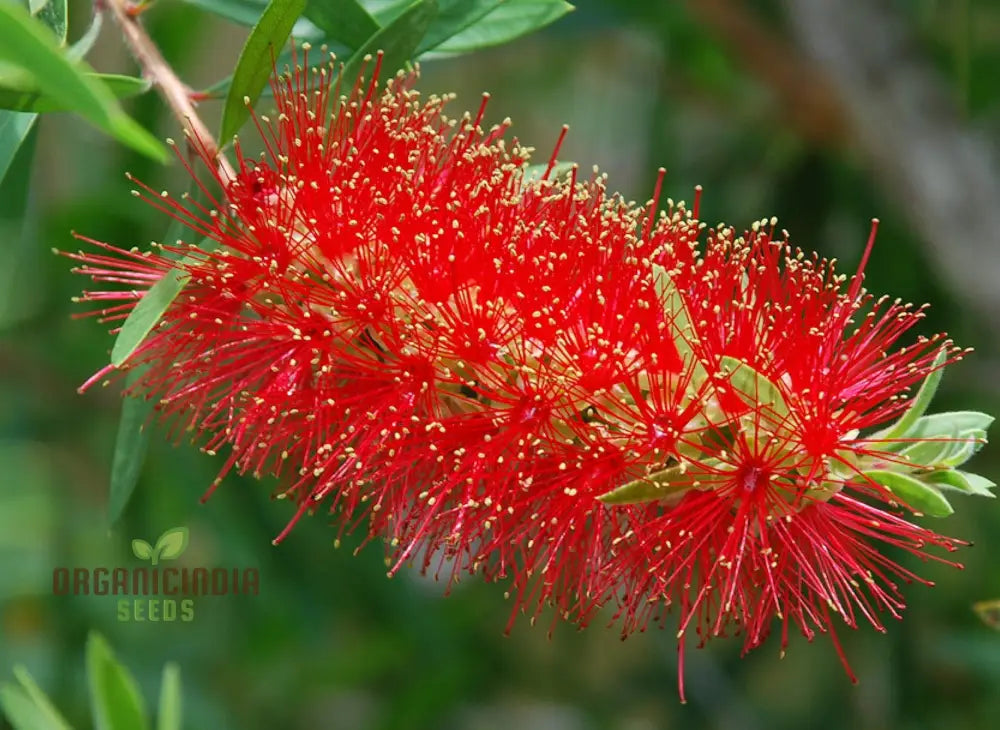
x,y
329,642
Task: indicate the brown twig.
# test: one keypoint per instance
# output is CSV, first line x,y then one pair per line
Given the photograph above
x,y
174,91
804,94
938,168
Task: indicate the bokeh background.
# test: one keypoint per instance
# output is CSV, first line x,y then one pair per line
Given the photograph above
x,y
825,114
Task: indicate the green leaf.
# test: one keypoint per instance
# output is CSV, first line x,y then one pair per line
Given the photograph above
x,y
345,21
401,32
386,11
682,329
114,695
248,12
142,549
131,445
928,454
14,128
22,288
963,449
244,12
27,44
398,40
147,312
221,88
512,19
254,66
961,481
916,494
172,543
669,483
978,484
753,388
171,713
44,713
22,93
918,406
535,172
945,425
22,713
947,449
454,17
53,14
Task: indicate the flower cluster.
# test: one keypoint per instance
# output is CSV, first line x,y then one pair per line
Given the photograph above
x,y
525,376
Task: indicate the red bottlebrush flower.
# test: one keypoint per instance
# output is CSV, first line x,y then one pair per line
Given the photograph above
x,y
400,323
778,508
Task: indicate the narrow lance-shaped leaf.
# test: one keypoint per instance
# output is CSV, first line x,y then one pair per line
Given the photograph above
x,y
916,494
146,314
947,450
455,17
928,453
171,711
682,328
945,425
27,44
53,14
511,19
148,310
398,41
536,172
220,89
656,486
667,484
386,11
968,443
22,92
754,388
132,441
21,712
114,695
918,406
21,290
961,481
978,484
248,12
14,128
256,62
345,21
131,445
45,714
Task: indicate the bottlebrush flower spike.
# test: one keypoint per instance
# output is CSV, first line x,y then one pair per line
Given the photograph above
x,y
396,320
779,508
533,379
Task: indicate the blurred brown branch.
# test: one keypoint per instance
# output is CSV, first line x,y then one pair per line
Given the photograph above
x,y
800,87
940,172
858,76
175,92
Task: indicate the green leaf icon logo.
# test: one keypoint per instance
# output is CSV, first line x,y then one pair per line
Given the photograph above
x,y
171,544
142,549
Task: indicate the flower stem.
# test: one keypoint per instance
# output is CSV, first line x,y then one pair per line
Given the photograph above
x,y
174,91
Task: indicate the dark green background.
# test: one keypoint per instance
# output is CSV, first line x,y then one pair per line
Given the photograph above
x,y
330,642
